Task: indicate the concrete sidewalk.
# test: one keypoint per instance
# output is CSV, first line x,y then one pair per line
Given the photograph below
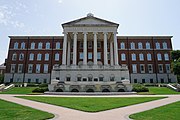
x,y
114,114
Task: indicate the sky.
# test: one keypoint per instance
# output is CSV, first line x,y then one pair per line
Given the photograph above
x,y
44,17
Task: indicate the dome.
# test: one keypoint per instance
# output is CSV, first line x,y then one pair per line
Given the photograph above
x,y
90,15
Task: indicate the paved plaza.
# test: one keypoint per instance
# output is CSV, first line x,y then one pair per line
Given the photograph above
x,y
62,113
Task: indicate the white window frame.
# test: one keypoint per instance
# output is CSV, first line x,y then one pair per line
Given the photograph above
x,y
20,68
140,46
13,68
23,45
149,57
168,68
31,57
133,57
14,57
142,66
123,57
48,45
90,55
150,70
134,68
32,45
166,57
16,44
160,70
99,55
21,56
39,57
38,68
157,45
148,46
122,44
164,45
81,55
40,45
141,57
46,68
57,56
30,68
58,45
132,45
46,57
159,57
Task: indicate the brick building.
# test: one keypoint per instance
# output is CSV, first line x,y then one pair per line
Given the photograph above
x,y
31,58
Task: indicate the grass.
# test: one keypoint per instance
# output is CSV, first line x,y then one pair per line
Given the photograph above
x,y
19,90
167,112
159,91
13,111
91,104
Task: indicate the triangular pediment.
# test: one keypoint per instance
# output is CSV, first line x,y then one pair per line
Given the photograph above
x,y
90,21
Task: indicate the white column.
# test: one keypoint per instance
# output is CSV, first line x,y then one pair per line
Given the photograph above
x,y
64,48
95,48
111,52
75,49
69,53
105,49
85,49
115,49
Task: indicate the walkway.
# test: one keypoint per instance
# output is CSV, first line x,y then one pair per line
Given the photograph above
x,y
115,114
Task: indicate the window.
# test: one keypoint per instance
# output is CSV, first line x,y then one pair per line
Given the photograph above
x,y
89,55
20,68
13,67
159,57
160,66
40,45
108,56
31,57
101,77
151,80
30,68
98,44
16,45
164,45
47,45
46,57
21,56
143,81
157,45
134,68
140,45
38,68
57,57
150,68
58,45
29,80
33,45
122,45
166,57
148,45
46,68
98,55
81,45
133,57
68,78
123,57
135,80
14,57
39,57
132,45
79,77
81,55
108,45
90,77
142,69
90,44
149,58
37,80
22,45
141,57
168,69
71,56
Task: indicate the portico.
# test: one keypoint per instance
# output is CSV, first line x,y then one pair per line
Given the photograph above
x,y
90,57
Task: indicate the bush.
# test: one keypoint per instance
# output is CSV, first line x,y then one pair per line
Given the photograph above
x,y
40,90
1,79
32,85
43,85
140,88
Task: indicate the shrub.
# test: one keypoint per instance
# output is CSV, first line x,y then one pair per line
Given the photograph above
x,y
32,85
40,90
140,88
43,85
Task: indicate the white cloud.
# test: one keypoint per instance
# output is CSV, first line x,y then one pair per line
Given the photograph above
x,y
60,1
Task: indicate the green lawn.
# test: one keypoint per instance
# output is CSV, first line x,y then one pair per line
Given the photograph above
x,y
13,111
91,104
159,91
167,112
19,90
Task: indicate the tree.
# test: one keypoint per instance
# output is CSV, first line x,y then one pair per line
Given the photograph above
x,y
176,63
1,79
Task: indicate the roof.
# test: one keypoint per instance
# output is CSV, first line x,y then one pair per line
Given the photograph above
x,y
90,17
